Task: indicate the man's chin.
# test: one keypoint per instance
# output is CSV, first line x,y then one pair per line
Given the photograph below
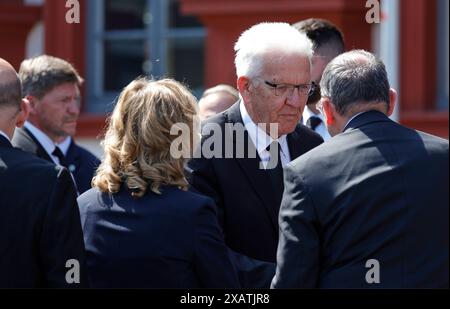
x,y
287,128
68,132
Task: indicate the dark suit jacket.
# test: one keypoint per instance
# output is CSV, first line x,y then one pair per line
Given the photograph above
x,y
172,240
243,192
376,191
40,226
82,163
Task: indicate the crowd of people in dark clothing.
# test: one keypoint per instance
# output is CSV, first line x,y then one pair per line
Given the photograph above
x,y
349,187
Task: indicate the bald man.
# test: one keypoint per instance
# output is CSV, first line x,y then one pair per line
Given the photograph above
x,y
217,99
41,242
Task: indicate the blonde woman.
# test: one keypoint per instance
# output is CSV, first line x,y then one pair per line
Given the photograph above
x,y
142,226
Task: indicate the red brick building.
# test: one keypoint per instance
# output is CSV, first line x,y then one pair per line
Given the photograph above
x,y
192,40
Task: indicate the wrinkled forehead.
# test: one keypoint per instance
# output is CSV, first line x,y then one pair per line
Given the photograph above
x,y
67,89
279,54
288,67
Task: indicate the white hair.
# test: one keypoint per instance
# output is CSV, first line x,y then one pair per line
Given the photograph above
x,y
263,38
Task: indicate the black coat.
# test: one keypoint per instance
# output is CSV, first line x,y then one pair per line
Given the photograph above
x,y
81,163
243,192
40,226
172,240
377,191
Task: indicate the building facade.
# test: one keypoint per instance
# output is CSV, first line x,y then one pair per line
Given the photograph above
x,y
192,41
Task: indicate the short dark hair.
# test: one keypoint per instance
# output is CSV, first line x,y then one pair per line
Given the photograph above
x,y
41,74
11,92
322,33
354,78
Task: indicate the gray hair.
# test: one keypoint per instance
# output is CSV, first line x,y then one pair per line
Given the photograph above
x,y
260,39
354,78
41,74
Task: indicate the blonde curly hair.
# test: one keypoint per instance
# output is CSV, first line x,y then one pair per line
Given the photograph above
x,y
138,139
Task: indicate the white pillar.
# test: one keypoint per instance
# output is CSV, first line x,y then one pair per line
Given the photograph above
x,y
389,46
35,41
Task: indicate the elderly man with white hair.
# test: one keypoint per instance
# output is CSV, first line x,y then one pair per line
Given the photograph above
x,y
273,64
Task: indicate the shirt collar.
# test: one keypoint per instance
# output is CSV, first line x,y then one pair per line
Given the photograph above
x,y
42,138
308,113
258,136
64,145
46,141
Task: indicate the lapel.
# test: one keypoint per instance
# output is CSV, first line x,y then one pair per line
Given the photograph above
x,y
300,141
73,157
257,177
40,151
296,147
4,142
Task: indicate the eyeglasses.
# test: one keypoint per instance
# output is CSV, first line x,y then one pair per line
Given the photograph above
x,y
283,89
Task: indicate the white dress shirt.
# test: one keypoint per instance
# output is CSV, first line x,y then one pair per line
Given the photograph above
x,y
321,129
50,146
261,140
47,143
64,145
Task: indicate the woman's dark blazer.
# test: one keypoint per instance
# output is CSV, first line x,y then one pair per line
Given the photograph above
x,y
172,240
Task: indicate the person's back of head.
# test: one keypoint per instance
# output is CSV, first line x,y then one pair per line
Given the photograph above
x,y
10,86
142,130
355,82
13,111
217,99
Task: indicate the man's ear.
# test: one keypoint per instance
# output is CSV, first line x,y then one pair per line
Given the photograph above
x,y
31,101
392,101
329,110
243,85
23,113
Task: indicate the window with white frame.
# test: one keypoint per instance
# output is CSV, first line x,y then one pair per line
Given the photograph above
x,y
132,38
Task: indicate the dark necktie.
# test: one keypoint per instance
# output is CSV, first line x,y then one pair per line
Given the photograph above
x,y
313,122
58,153
276,174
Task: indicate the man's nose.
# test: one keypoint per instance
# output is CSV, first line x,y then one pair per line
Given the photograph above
x,y
294,98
